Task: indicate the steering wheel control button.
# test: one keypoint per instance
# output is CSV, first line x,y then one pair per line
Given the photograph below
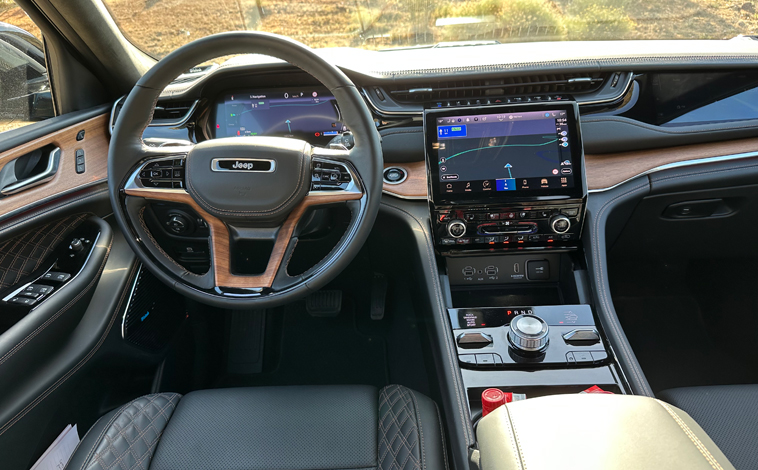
x,y
474,340
538,270
456,228
528,333
394,175
327,176
165,173
177,224
582,337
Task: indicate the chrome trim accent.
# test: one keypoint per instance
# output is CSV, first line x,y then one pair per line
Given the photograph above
x,y
53,161
624,91
181,122
129,302
405,172
669,166
216,167
112,120
408,198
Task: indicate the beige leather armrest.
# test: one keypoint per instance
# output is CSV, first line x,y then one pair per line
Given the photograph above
x,y
609,432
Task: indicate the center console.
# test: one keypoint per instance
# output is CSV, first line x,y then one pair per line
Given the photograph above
x,y
507,201
508,177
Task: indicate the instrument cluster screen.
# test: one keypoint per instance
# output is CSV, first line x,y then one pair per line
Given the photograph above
x,y
308,114
485,154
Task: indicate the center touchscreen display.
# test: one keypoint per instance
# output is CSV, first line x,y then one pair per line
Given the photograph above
x,y
498,152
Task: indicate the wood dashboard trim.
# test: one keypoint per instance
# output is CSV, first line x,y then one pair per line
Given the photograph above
x,y
414,186
95,146
603,170
607,170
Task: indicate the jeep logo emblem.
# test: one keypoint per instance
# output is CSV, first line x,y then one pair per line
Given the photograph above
x,y
243,165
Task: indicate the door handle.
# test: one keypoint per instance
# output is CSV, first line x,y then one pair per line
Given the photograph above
x,y
16,185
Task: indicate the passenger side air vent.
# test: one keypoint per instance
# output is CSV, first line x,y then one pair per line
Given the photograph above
x,y
575,84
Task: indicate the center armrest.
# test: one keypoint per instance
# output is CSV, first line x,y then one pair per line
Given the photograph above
x,y
591,431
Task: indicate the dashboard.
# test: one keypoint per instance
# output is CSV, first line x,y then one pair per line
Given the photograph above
x,y
700,94
309,114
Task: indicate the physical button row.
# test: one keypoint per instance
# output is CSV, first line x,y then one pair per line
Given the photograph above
x,y
585,357
481,359
511,100
329,176
534,238
163,174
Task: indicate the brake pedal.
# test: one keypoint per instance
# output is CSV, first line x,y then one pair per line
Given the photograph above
x,y
324,303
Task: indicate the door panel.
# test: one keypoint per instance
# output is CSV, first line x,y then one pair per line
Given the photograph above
x,y
66,180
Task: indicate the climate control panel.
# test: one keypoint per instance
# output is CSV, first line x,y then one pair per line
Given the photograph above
x,y
512,226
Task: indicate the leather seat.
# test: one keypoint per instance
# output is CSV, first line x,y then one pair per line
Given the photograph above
x,y
294,428
728,413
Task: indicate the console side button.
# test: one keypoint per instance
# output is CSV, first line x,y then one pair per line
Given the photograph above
x,y
598,356
570,358
467,358
583,357
538,270
474,340
582,337
485,360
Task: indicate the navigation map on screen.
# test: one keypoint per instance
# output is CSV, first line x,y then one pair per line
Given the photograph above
x,y
504,152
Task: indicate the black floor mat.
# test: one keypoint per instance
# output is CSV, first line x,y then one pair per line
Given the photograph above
x,y
673,347
319,350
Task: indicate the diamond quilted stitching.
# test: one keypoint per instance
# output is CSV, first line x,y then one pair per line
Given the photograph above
x,y
399,447
129,442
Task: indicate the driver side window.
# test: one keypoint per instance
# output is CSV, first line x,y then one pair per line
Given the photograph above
x,y
25,95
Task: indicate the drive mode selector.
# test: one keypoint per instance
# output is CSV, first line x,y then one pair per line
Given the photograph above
x,y
528,333
456,228
560,224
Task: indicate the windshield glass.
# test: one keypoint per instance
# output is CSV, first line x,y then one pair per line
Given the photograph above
x,y
160,26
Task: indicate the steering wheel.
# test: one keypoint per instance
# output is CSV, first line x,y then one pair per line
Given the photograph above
x,y
245,188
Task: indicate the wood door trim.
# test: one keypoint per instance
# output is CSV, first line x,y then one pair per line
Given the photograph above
x,y
66,180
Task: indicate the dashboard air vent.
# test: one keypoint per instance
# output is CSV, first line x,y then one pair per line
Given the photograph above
x,y
479,88
172,110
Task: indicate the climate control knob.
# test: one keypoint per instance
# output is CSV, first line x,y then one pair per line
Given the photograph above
x,y
456,228
528,333
560,224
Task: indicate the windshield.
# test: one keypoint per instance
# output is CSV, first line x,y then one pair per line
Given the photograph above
x,y
160,26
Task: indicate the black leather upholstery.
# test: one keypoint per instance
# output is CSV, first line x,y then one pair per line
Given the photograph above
x,y
25,253
265,428
728,413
